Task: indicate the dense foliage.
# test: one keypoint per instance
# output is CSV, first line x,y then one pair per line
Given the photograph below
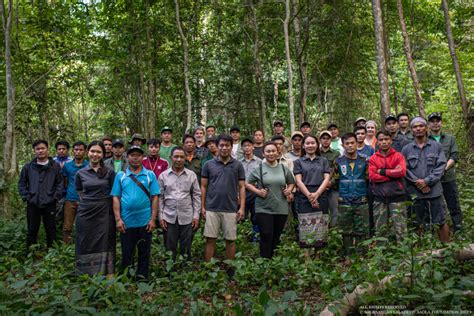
x,y
291,283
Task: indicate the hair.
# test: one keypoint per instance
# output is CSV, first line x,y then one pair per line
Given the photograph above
x,y
186,136
199,128
359,128
269,143
62,142
278,137
106,138
210,126
402,114
384,132
318,151
79,143
371,122
40,141
102,172
153,141
176,149
224,137
259,130
346,136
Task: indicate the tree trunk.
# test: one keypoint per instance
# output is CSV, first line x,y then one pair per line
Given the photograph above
x,y
465,104
301,63
291,103
257,66
381,60
411,65
187,91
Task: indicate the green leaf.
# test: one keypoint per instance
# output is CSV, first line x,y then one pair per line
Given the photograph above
x,y
19,284
289,296
144,287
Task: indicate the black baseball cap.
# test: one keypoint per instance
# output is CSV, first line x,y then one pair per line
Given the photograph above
x,y
278,122
135,148
246,139
331,125
391,117
166,129
235,128
305,123
117,142
435,115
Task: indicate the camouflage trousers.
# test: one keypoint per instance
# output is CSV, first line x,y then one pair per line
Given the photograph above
x,y
391,217
353,220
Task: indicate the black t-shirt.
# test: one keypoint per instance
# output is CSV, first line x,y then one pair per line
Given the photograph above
x,y
258,151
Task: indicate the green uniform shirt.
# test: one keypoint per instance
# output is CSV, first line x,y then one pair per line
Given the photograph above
x,y
274,179
165,153
450,149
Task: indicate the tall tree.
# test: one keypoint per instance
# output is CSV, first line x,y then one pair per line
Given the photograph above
x,y
409,57
465,104
291,101
184,43
381,59
300,57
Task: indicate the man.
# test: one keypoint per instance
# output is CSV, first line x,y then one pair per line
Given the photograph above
x,y
236,146
360,121
223,188
153,161
331,155
363,150
350,175
426,164
250,162
305,128
180,204
387,168
72,198
210,131
193,161
107,141
283,158
62,153
336,142
40,186
201,150
278,130
137,140
166,144
259,139
391,125
404,129
448,181
211,147
117,162
296,145
135,201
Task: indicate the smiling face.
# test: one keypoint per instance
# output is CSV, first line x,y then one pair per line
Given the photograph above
x,y
391,126
311,145
95,154
199,135
135,158
270,152
224,148
370,129
118,150
334,132
435,125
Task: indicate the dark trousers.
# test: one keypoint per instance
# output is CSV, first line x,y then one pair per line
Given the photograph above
x,y
34,215
250,206
182,234
136,238
451,195
271,226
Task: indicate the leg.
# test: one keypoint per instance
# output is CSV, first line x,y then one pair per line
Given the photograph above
x,y
437,211
451,195
265,222
229,227
128,242
211,232
171,235
49,222
344,222
185,240
144,249
70,208
230,249
361,223
33,219
398,218
209,249
370,198
279,222
380,212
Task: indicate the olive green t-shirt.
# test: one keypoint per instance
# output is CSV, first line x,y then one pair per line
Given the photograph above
x,y
274,179
165,153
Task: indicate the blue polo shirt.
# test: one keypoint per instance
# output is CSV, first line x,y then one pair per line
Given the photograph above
x,y
69,171
135,205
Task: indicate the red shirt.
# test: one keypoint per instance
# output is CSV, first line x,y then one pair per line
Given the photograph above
x,y
156,165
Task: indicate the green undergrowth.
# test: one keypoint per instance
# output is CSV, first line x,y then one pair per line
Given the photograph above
x,y
43,281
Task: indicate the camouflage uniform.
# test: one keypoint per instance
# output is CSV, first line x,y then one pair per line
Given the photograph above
x,y
395,218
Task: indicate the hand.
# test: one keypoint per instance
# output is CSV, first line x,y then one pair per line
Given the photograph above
x,y
195,223
286,191
426,190
151,226
262,193
378,171
164,225
420,184
203,213
290,198
120,225
240,215
315,204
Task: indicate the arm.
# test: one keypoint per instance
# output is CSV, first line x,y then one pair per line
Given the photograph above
x,y
400,169
438,170
204,182
59,185
154,213
253,178
161,202
196,194
241,212
23,183
118,220
374,175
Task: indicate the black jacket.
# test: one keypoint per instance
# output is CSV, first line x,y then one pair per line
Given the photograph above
x,y
41,185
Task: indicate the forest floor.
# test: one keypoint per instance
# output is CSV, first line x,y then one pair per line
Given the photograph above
x,y
43,281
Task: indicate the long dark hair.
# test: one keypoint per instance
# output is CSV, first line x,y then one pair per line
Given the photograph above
x,y
318,151
102,172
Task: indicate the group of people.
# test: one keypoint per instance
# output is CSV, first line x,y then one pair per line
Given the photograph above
x,y
365,182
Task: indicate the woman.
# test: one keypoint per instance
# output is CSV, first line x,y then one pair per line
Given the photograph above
x,y
275,184
95,224
312,173
370,138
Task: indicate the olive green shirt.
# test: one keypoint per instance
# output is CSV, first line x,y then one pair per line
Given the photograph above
x,y
450,148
